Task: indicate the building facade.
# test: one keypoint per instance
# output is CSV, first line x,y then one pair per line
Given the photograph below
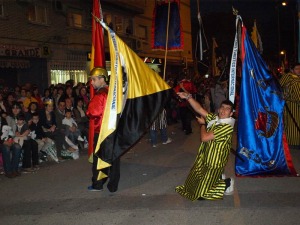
x,y
47,41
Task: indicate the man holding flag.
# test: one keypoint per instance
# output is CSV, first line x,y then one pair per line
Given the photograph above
x,y
95,111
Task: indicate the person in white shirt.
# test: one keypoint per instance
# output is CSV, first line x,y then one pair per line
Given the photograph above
x,y
72,132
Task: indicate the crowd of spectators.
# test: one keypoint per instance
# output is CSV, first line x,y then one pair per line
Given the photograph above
x,y
39,127
42,131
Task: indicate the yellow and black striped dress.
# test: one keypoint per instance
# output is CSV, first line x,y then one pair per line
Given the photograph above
x,y
291,88
204,177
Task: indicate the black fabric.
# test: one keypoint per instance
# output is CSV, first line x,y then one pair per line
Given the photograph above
x,y
30,154
113,172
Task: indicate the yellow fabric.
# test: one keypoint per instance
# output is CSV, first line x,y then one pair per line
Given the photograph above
x,y
141,80
204,179
101,175
254,35
291,88
102,164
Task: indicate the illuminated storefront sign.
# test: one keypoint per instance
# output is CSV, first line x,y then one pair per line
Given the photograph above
x,y
20,51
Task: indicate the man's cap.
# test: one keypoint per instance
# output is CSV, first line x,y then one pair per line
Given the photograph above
x,y
99,72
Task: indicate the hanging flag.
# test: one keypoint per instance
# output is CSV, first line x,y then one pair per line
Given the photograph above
x,y
215,69
262,146
97,60
136,95
167,14
255,36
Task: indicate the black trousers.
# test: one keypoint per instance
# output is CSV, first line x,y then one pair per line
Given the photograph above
x,y
30,154
186,117
113,172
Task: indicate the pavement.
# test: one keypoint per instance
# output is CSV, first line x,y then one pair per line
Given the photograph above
x,y
57,193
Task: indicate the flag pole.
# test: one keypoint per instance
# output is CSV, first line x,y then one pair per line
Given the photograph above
x,y
167,39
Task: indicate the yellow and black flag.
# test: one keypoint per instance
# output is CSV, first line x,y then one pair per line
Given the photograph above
x,y
136,95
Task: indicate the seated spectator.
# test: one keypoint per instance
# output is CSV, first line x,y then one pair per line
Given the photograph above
x,y
11,152
38,97
48,122
9,101
46,146
22,96
29,98
33,108
72,132
80,117
29,146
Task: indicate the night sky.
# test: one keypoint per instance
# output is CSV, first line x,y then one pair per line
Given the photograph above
x,y
219,22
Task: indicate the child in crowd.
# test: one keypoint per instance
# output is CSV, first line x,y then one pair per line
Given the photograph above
x,y
29,146
46,146
72,132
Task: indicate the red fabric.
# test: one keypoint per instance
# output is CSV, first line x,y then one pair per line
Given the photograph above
x,y
96,108
189,86
288,156
98,60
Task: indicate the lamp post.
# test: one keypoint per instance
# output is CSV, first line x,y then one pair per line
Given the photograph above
x,y
283,4
283,62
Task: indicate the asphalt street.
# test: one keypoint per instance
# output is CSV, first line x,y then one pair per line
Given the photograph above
x,y
57,193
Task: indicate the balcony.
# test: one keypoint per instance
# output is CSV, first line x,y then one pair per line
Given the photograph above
x,y
131,6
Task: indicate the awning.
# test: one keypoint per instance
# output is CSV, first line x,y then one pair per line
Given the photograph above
x,y
67,65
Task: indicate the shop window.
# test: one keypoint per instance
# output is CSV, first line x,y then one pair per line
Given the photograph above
x,y
75,20
37,14
61,76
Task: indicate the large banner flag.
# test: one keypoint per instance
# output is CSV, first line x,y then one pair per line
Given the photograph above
x,y
166,14
262,147
136,95
97,60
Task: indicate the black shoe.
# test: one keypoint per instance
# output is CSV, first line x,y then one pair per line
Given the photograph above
x,y
91,188
188,132
112,188
10,175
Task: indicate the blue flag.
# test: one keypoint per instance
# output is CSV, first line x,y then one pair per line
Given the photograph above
x,y
163,12
262,146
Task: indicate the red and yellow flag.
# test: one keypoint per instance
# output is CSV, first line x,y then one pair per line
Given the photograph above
x,y
97,59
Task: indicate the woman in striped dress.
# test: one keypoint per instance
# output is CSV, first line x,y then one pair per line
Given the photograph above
x,y
204,180
291,88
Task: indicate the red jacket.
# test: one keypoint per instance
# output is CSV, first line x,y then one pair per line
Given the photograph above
x,y
189,86
96,108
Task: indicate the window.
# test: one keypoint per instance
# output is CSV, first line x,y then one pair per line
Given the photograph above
x,y
1,8
119,24
61,76
37,14
75,20
141,32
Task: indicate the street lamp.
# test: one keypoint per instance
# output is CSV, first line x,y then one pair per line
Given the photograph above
x,y
283,62
283,3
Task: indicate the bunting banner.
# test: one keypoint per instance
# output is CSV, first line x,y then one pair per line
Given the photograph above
x,y
97,60
255,36
262,147
215,69
167,24
232,73
136,95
